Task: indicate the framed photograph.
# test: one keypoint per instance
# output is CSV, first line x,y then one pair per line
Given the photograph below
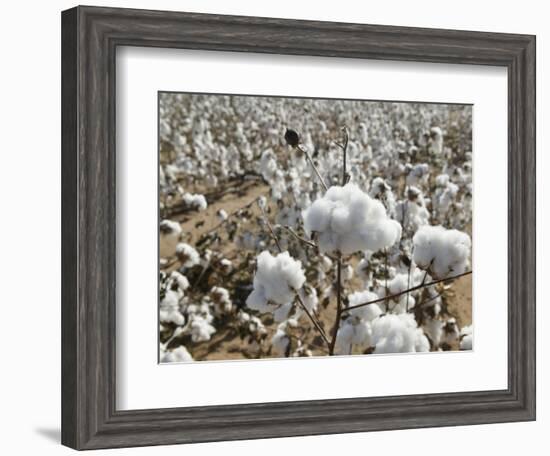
x,y
280,228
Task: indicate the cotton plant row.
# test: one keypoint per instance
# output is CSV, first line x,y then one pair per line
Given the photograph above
x,y
205,147
379,243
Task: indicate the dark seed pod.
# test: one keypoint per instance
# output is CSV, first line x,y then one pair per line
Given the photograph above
x,y
292,137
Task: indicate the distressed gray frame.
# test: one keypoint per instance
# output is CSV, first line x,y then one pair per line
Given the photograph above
x,y
90,36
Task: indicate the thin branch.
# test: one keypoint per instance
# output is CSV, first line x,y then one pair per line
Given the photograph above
x,y
305,152
417,287
344,147
339,308
313,320
427,270
338,304
273,235
299,238
232,214
298,297
408,284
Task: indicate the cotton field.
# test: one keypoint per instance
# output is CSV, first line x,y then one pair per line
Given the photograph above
x,y
294,227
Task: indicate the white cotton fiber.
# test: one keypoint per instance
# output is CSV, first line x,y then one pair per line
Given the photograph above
x,y
187,255
418,175
276,282
448,251
466,337
177,355
195,201
366,313
398,334
169,309
348,220
170,232
280,341
200,328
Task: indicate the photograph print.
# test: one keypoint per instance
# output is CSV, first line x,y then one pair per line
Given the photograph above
x,y
297,227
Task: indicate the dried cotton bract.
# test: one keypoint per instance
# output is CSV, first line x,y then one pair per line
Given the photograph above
x,y
444,252
275,284
348,220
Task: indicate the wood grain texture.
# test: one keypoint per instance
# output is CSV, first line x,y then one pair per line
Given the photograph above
x,y
89,39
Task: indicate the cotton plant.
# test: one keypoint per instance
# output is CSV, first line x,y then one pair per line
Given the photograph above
x,y
276,282
412,212
445,197
173,288
382,191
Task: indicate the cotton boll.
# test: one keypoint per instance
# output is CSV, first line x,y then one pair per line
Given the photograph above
x,y
367,313
444,197
466,338
444,252
450,332
347,220
434,329
187,255
200,328
419,174
382,191
221,300
262,202
179,280
280,341
347,273
276,282
421,344
195,201
344,339
317,218
363,270
398,284
281,312
177,355
397,334
170,232
222,215
225,265
436,141
169,309
353,333
326,263
412,212
309,298
268,165
302,351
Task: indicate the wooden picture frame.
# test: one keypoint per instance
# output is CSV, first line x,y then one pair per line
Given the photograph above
x,y
90,37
